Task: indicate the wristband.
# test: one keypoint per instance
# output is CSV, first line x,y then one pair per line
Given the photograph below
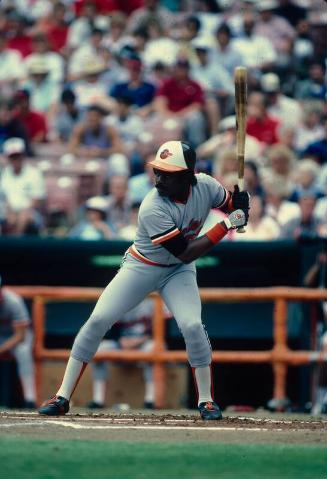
x,y
216,233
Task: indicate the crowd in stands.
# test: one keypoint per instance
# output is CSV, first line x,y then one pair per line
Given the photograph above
x,y
90,89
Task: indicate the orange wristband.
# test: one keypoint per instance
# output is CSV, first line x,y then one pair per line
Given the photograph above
x,y
216,233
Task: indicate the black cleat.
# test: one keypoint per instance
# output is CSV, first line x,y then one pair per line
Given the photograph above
x,y
210,411
95,405
56,406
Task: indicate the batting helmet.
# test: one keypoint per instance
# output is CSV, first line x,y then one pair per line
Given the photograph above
x,y
174,156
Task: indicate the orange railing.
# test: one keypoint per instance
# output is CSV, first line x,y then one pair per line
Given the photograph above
x,y
280,356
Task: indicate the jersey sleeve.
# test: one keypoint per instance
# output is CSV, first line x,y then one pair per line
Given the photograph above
x,y
160,226
219,195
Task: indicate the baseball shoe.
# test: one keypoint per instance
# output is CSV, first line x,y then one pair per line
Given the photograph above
x,y
56,406
148,405
210,411
29,405
95,405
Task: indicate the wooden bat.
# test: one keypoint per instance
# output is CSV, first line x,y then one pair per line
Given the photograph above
x,y
240,79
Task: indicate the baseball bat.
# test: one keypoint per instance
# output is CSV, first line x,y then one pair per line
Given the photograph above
x,y
240,80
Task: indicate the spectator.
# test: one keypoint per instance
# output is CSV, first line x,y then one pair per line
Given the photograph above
x,y
314,87
10,126
181,97
305,180
135,334
66,117
11,68
260,124
116,38
140,185
54,61
216,82
24,189
281,164
310,129
128,232
35,123
271,26
292,12
317,150
55,27
225,53
151,12
16,338
18,38
44,93
90,48
92,138
306,224
260,227
277,205
119,203
285,109
93,226
252,179
139,91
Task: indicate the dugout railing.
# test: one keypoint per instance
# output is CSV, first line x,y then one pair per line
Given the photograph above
x,y
280,356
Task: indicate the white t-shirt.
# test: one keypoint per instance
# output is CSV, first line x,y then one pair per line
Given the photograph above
x,y
21,190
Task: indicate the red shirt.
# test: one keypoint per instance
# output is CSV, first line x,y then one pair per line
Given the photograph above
x,y
35,125
57,36
180,94
22,43
265,130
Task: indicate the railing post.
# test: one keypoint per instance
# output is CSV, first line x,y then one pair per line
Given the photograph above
x,y
38,315
159,369
280,346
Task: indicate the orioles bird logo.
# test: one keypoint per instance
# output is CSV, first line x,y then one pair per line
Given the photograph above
x,y
164,154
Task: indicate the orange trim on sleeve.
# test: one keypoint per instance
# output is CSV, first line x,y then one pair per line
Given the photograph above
x,y
166,237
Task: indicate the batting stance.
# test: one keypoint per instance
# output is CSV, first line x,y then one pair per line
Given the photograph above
x,y
162,259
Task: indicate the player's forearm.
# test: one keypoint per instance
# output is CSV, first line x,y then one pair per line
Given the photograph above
x,y
11,342
202,245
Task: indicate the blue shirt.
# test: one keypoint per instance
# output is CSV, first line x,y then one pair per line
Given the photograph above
x,y
139,96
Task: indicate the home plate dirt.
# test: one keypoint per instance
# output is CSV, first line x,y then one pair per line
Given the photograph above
x,y
164,427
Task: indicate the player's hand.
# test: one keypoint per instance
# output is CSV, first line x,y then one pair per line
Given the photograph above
x,y
236,219
240,199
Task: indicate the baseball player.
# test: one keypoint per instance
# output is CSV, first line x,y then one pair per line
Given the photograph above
x,y
162,259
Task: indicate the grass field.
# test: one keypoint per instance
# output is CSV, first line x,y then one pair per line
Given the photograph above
x,y
143,446
48,459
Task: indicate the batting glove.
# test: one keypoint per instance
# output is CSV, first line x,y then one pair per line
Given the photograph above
x,y
240,199
236,219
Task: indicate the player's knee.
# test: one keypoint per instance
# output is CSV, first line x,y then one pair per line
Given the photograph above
x,y
192,329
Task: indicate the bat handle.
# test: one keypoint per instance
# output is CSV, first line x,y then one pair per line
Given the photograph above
x,y
240,182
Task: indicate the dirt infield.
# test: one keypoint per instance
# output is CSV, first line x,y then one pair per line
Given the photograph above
x,y
167,427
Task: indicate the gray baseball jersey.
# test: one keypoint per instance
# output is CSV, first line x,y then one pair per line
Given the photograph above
x,y
160,219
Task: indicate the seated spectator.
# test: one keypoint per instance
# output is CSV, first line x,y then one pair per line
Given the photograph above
x,y
287,110
119,203
90,48
44,93
66,117
139,91
135,333
259,123
127,123
314,87
116,36
317,150
226,164
35,123
11,127
140,185
16,338
12,70
281,165
93,138
181,97
310,129
18,38
216,82
128,232
252,179
277,205
42,50
55,26
260,226
225,53
305,179
146,15
24,189
305,224
93,226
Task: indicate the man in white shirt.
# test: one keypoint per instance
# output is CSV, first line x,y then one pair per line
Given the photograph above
x,y
11,68
24,190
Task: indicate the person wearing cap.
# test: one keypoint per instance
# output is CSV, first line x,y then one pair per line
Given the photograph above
x,y
42,50
162,258
94,226
24,188
35,123
287,110
16,338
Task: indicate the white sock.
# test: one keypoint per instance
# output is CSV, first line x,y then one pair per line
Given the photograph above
x,y
149,392
74,371
99,391
203,382
28,385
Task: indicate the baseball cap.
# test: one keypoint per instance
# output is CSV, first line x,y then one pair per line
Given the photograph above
x,y
227,123
202,43
265,5
13,146
270,82
97,203
174,156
